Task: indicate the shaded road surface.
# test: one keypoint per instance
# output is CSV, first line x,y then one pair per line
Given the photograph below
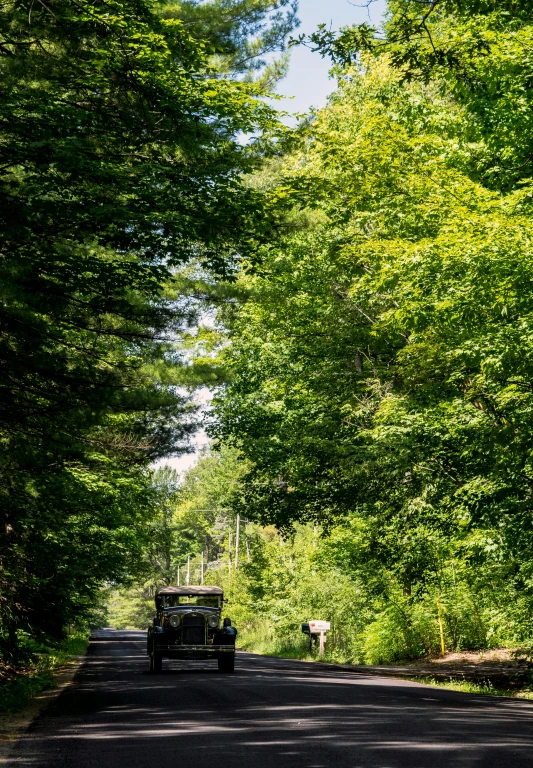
x,y
270,714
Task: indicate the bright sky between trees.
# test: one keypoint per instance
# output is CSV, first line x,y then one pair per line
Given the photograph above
x,y
308,83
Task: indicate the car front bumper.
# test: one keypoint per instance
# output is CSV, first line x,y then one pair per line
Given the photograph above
x,y
198,651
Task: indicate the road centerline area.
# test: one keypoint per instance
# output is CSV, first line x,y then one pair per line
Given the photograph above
x,y
269,713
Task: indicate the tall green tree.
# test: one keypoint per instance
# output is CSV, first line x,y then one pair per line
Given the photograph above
x,y
380,363
477,51
241,33
120,161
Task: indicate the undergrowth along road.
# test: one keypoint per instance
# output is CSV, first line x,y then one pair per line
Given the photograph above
x,y
18,686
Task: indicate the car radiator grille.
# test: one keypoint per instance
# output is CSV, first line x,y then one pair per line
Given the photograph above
x,y
193,630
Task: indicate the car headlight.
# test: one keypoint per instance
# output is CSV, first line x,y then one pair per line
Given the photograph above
x,y
213,621
174,620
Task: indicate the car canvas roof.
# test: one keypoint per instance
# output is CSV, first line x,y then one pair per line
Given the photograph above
x,y
190,591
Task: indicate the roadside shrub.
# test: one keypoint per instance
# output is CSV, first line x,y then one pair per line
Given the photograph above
x,y
401,631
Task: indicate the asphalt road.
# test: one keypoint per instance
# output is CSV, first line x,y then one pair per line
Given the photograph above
x,y
270,713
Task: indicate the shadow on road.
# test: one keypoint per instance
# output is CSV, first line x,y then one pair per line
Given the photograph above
x,y
270,713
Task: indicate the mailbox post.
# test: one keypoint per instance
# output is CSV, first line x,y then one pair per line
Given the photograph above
x,y
319,628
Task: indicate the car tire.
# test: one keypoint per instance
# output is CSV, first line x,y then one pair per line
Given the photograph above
x,y
226,662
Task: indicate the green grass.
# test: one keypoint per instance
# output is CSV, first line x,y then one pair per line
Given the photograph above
x,y
259,640
39,676
289,648
465,686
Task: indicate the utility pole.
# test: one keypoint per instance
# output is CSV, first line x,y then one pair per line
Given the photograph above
x,y
247,539
179,566
237,541
202,569
188,570
229,551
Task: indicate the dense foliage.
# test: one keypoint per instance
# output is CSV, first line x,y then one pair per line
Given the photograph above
x,y
380,365
120,161
241,34
374,321
283,578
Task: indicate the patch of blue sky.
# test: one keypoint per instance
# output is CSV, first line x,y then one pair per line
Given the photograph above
x,y
308,83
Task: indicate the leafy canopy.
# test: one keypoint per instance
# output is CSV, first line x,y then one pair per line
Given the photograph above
x,y
120,161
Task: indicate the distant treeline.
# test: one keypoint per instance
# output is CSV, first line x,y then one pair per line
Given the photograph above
x,y
310,570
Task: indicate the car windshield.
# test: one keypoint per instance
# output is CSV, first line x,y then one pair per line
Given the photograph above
x,y
211,601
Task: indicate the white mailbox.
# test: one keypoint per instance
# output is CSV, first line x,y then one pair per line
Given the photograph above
x,y
317,627
320,628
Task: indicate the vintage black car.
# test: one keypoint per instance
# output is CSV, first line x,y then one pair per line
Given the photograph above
x,y
188,626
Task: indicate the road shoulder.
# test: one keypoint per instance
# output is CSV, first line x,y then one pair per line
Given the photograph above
x,y
13,727
505,676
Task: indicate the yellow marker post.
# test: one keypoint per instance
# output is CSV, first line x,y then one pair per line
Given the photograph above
x,y
441,628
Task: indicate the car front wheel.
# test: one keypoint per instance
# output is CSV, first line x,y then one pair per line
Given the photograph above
x,y
226,663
